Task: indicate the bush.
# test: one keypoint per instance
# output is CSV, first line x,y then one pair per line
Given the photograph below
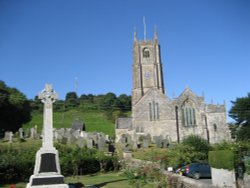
x,y
181,154
221,159
143,174
247,166
198,143
18,164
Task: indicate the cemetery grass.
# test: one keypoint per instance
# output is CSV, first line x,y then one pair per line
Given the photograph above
x,y
95,120
105,180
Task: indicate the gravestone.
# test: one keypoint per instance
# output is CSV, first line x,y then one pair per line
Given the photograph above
x,y
81,142
111,148
100,143
158,141
10,137
145,143
32,133
6,135
20,133
47,172
55,134
89,143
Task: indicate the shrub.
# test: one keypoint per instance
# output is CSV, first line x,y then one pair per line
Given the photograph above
x,y
221,159
247,165
198,143
17,164
143,174
183,154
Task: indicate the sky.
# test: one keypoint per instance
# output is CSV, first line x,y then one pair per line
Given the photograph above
x,y
86,45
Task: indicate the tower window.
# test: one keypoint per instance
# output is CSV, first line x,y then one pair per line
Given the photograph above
x,y
145,52
188,114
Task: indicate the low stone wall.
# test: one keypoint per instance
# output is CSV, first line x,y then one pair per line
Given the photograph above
x,y
178,181
246,180
223,178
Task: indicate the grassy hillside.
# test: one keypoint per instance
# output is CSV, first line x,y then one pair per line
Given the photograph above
x,y
94,120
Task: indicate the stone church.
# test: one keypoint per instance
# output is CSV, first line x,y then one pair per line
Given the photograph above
x,y
154,114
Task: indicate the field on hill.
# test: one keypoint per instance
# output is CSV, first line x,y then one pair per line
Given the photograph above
x,y
95,120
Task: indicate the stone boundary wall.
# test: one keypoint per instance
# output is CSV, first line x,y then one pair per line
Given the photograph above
x,y
246,180
223,178
175,180
178,181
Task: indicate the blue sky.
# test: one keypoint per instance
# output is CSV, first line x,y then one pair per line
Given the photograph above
x,y
86,45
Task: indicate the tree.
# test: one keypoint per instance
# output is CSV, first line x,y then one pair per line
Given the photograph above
x,y
71,100
15,108
125,102
36,104
198,143
240,112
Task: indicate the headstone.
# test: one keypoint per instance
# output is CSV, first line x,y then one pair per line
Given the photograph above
x,y
100,144
55,135
165,143
6,136
89,143
145,143
158,141
76,133
47,172
83,134
81,142
35,132
32,133
111,148
20,133
134,145
72,139
10,137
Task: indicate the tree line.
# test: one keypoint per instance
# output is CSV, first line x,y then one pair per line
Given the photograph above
x,y
108,103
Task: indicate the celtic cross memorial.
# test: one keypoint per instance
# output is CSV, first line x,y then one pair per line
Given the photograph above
x,y
47,172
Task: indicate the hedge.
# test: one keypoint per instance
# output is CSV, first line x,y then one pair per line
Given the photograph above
x,y
221,159
17,164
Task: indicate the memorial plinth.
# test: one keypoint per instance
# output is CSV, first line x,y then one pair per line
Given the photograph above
x,y
47,172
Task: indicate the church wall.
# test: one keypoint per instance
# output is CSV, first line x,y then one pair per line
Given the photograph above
x,y
166,128
217,126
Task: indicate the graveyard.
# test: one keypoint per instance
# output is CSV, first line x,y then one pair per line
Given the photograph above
x,y
50,156
81,153
73,153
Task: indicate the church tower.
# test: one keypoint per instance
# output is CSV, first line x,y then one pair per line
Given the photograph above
x,y
147,67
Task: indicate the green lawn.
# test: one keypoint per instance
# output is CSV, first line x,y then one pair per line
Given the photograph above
x,y
107,180
94,120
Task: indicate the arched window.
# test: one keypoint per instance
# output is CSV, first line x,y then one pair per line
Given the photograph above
x,y
188,114
154,113
145,52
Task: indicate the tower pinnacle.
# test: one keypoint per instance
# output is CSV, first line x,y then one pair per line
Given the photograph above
x,y
145,29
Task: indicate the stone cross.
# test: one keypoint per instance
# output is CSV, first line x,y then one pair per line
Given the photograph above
x,y
48,96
